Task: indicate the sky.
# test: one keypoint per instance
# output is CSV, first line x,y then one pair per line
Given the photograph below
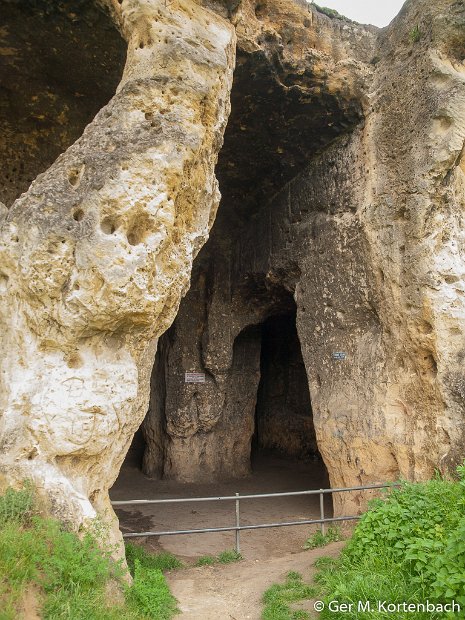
x,y
376,12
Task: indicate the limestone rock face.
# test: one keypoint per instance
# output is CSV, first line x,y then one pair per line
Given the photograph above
x,y
343,192
363,235
95,256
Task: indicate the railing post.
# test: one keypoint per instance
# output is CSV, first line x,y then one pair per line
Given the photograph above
x,y
322,511
238,523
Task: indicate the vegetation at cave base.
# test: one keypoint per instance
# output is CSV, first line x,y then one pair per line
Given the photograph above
x,y
52,572
318,539
163,561
409,547
279,597
225,557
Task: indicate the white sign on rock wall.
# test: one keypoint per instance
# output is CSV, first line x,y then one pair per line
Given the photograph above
x,y
194,377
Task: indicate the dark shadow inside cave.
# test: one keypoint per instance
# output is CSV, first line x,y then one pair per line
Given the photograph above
x,y
283,413
53,81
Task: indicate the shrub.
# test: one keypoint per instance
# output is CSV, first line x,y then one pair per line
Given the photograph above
x,y
17,505
331,13
408,547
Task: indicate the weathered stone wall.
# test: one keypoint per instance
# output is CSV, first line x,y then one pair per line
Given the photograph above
x,y
343,185
95,256
368,239
60,63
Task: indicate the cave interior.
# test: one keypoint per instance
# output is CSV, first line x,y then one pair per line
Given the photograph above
x,y
272,134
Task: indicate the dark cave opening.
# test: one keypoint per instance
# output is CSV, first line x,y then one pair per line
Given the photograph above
x,y
53,81
283,413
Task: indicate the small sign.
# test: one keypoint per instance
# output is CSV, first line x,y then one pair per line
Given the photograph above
x,y
194,377
338,355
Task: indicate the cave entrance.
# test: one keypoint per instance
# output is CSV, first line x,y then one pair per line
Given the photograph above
x,y
269,408
283,412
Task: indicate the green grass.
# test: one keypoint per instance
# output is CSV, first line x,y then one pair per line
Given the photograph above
x,y
279,597
163,561
206,560
415,34
225,557
409,547
318,539
70,575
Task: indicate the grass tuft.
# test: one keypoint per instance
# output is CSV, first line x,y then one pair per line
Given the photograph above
x,y
206,560
318,539
280,596
162,561
225,557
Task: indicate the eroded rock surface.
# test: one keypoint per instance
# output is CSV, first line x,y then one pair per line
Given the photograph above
x,y
96,255
366,237
343,190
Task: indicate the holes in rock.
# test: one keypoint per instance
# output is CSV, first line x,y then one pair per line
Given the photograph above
x,y
426,327
74,176
154,122
260,10
135,237
73,360
54,80
138,230
34,453
108,225
3,283
428,364
78,215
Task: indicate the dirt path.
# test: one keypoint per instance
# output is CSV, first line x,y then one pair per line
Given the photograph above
x,y
234,591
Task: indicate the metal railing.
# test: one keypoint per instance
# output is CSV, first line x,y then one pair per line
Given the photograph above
x,y
238,528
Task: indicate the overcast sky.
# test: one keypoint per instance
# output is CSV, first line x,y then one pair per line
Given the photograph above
x,y
377,12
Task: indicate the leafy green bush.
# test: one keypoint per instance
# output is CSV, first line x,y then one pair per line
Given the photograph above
x,y
17,505
331,13
409,547
318,539
69,575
